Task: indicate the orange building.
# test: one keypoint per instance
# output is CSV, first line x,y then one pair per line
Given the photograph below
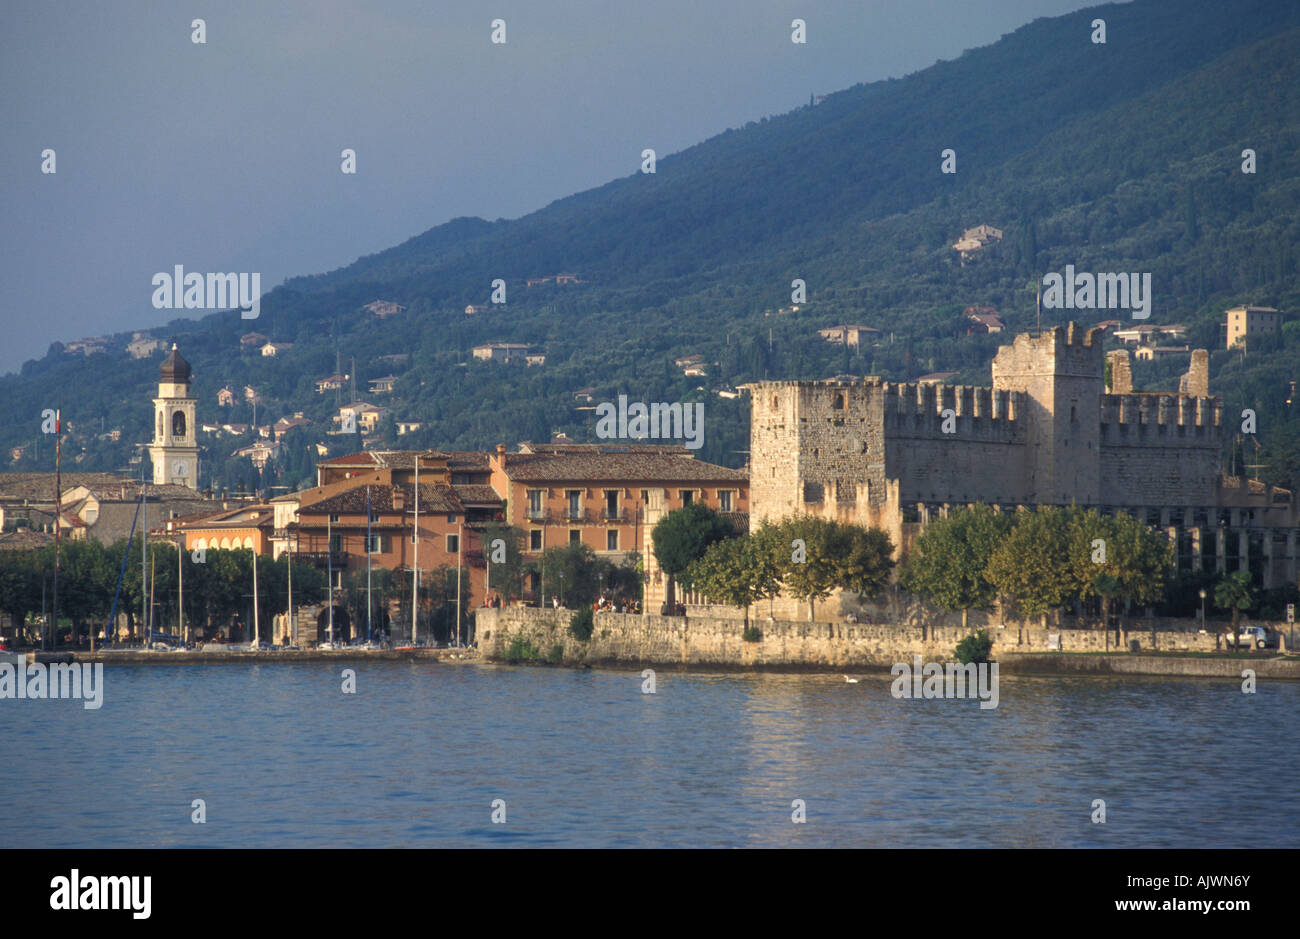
x,y
247,526
596,494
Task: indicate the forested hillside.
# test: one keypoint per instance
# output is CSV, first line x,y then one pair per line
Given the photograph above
x,y
1119,157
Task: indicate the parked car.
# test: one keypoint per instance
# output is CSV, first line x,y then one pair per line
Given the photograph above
x,y
1257,637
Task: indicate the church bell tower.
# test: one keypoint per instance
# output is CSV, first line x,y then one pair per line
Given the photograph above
x,y
174,452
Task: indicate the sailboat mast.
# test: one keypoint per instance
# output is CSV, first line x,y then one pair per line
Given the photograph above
x,y
257,631
153,594
144,562
367,563
288,615
460,547
415,557
58,519
329,554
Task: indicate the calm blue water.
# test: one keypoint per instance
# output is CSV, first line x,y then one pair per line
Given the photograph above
x,y
582,758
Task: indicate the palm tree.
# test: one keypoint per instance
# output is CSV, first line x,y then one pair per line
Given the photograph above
x,y
1234,592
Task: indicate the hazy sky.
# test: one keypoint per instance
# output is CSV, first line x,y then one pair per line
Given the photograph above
x,y
226,156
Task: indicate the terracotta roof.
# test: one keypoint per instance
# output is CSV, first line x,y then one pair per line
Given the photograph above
x,y
553,448
433,498
39,487
613,466
25,540
468,460
231,518
398,459
474,495
739,521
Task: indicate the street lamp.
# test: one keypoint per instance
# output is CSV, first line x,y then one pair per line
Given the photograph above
x,y
1202,592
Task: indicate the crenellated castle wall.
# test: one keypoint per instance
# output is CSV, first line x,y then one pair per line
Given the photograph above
x,y
1161,449
1044,433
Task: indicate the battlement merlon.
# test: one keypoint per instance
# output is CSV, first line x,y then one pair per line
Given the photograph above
x,y
838,399
1162,408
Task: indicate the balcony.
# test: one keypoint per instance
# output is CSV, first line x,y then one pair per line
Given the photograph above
x,y
322,559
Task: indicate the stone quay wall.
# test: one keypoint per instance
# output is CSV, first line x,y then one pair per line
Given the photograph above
x,y
716,642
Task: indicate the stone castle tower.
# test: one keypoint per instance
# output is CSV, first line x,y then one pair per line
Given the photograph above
x,y
1048,432
1060,376
174,452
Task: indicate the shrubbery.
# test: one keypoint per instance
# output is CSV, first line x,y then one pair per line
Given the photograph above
x,y
582,623
975,648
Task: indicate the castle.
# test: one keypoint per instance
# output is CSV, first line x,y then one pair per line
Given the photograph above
x,y
1049,432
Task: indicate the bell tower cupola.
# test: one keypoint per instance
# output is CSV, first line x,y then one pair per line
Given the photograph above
x,y
174,450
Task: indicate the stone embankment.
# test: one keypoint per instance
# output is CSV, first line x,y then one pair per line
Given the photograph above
x,y
623,639
210,656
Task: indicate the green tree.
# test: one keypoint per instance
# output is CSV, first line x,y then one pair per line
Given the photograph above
x,y
506,577
948,564
682,536
808,569
1031,565
20,585
1117,557
728,573
864,558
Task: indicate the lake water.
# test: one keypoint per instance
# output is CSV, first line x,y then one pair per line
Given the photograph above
x,y
417,756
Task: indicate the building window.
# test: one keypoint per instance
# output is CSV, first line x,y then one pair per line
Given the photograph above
x,y
575,536
724,500
812,492
535,503
453,544
535,540
645,495
573,499
611,503
334,517
451,517
611,540
687,495
376,544
838,403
